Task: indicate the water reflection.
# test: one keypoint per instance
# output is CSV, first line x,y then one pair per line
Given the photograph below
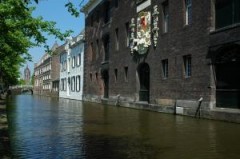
x,y
44,127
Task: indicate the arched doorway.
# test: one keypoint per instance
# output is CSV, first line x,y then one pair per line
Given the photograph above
x,y
144,79
105,77
227,69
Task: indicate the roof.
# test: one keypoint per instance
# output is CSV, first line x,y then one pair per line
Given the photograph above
x,y
87,8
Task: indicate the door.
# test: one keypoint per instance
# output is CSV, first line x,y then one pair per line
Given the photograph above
x,y
144,79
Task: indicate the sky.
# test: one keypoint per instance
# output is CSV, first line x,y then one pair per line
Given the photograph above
x,y
54,10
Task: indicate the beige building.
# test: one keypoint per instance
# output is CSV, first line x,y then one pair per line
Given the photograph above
x,y
46,73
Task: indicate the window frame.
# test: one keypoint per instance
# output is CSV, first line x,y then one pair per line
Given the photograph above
x,y
116,74
126,73
73,80
127,29
188,12
165,71
117,39
187,63
234,13
73,62
165,10
78,59
78,83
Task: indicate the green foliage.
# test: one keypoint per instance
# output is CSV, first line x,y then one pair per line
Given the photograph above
x,y
19,31
21,82
71,9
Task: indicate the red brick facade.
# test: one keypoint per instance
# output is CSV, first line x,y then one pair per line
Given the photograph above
x,y
185,45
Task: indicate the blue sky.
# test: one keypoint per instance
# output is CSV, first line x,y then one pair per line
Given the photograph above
x,y
54,10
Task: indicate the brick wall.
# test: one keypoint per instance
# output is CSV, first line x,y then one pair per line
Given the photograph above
x,y
180,40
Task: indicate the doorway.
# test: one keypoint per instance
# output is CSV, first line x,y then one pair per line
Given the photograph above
x,y
227,79
144,79
105,76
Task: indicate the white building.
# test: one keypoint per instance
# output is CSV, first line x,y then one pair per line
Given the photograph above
x,y
71,68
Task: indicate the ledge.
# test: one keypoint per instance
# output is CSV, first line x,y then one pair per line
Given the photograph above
x,y
225,28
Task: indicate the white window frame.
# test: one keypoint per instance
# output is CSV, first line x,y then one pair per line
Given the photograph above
x,y
78,83
188,14
73,61
79,59
73,80
165,16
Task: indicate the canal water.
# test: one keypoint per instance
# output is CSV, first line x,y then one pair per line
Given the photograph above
x,y
49,128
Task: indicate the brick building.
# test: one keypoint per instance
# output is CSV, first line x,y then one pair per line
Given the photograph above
x,y
46,73
164,55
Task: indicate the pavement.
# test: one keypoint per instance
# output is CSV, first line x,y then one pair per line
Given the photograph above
x,y
4,136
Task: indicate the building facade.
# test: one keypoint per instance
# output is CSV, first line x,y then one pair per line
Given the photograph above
x,y
164,55
71,68
46,73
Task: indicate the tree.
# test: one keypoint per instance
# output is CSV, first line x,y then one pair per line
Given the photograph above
x,y
19,31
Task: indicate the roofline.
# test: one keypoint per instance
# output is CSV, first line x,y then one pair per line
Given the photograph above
x,y
87,8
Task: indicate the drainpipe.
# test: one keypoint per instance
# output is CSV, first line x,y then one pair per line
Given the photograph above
x,y
118,100
175,107
198,108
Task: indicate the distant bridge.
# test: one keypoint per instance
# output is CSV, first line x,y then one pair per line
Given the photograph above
x,y
20,89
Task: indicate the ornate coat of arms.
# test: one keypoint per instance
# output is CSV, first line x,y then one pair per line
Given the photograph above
x,y
142,41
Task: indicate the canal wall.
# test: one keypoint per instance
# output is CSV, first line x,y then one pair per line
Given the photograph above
x,y
192,108
4,136
46,93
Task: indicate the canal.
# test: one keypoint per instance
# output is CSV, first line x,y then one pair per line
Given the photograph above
x,y
50,128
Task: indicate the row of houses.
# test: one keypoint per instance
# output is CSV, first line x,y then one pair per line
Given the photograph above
x,y
164,55
60,72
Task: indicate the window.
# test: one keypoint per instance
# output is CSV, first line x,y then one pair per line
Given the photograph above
x,y
91,20
107,12
90,77
97,48
78,83
165,68
97,16
91,52
116,42
63,84
106,47
165,16
73,61
78,59
65,65
187,66
96,76
73,84
127,34
188,12
126,73
116,74
227,12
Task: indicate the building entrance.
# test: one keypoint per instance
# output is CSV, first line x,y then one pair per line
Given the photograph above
x,y
144,79
105,76
227,68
